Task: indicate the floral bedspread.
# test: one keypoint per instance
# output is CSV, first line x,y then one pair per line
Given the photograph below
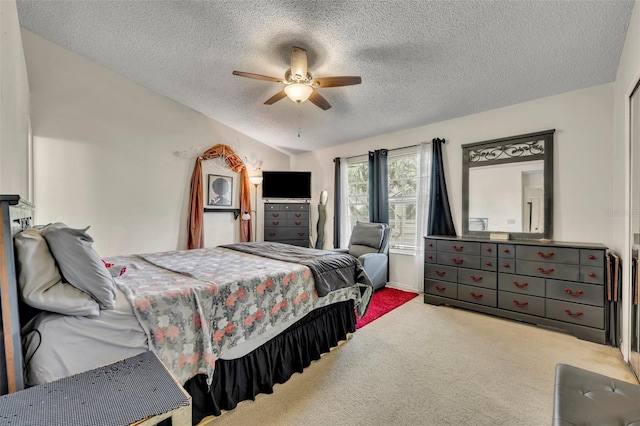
x,y
218,299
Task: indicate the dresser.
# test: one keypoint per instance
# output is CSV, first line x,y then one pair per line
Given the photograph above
x,y
552,284
287,223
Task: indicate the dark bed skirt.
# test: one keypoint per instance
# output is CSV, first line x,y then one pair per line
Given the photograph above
x,y
274,362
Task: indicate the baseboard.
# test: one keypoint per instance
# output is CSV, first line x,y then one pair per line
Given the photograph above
x,y
405,287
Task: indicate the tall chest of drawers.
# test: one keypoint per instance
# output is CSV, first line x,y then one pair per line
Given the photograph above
x,y
287,223
552,284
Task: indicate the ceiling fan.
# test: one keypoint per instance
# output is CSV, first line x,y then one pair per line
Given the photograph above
x,y
300,84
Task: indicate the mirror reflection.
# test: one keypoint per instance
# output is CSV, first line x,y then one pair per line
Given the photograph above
x,y
507,197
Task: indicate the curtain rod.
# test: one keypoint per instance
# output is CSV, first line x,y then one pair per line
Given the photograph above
x,y
394,149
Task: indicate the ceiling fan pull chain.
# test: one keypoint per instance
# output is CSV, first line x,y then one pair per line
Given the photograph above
x,y
299,120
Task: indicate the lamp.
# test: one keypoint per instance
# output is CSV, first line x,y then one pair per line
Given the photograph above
x,y
256,181
298,92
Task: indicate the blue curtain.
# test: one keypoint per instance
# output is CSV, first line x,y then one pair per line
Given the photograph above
x,y
337,202
440,221
378,187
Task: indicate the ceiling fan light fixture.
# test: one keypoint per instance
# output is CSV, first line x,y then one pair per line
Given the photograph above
x,y
298,92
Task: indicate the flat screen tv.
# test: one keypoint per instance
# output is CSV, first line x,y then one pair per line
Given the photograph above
x,y
286,185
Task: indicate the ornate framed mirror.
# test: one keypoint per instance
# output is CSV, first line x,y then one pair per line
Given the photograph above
x,y
507,186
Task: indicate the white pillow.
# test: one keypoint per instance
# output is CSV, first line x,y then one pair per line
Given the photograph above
x,y
80,264
39,279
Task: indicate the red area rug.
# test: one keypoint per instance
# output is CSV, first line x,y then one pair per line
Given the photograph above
x,y
383,301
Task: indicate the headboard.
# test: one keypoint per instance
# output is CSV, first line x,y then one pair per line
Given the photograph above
x,y
16,215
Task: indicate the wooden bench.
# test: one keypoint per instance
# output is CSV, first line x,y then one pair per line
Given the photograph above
x,y
135,391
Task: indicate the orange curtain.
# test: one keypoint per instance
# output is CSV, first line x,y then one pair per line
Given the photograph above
x,y
196,203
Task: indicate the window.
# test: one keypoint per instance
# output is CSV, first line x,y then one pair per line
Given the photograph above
x,y
403,183
358,189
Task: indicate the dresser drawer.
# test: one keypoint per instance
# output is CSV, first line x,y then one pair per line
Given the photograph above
x,y
285,233
274,223
478,295
295,207
489,249
295,223
275,215
592,275
459,247
592,258
457,259
548,270
489,263
441,288
270,206
590,316
526,304
507,251
478,278
548,254
430,256
298,215
576,292
521,284
507,265
430,244
440,272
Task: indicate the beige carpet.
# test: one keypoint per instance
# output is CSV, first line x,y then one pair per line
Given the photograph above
x,y
431,365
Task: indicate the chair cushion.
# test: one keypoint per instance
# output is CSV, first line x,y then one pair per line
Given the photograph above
x,y
367,234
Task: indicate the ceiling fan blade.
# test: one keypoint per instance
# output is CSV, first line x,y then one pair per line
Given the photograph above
x,y
298,62
323,82
318,100
258,77
275,98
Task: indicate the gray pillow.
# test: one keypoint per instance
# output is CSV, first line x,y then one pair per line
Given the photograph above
x,y
367,234
39,279
80,264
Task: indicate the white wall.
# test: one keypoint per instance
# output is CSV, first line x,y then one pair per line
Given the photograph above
x,y
582,165
103,149
14,106
628,75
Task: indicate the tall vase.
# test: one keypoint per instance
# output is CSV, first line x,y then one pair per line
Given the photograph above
x,y
322,218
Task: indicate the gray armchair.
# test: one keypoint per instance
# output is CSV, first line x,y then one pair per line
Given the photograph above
x,y
370,244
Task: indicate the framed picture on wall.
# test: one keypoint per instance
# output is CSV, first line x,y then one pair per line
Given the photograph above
x,y
219,191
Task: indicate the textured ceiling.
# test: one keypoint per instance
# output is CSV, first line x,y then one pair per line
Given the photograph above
x,y
421,61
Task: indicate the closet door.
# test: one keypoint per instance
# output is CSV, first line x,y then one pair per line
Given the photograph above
x,y
634,358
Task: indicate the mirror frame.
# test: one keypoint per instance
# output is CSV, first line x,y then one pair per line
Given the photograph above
x,y
510,150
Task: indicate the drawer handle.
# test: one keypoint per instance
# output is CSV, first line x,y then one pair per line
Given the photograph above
x,y
275,222
546,256
476,279
488,249
275,214
547,272
506,250
297,214
592,257
488,263
440,273
520,304
457,261
298,223
571,314
476,296
506,265
523,285
430,257
592,274
300,234
457,248
272,234
440,289
430,244
571,293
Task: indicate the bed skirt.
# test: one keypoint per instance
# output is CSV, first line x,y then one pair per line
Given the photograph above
x,y
274,362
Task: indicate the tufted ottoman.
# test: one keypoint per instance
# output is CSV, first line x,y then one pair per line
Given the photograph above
x,y
585,398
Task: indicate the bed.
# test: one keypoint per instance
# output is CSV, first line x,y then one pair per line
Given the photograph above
x,y
229,322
